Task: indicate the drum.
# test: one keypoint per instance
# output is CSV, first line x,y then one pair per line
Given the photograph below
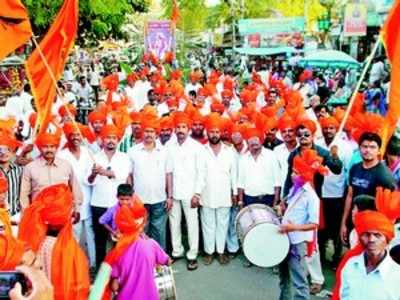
x,y
257,228
165,283
394,245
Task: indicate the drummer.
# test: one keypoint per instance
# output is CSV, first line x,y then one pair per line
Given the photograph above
x,y
259,175
300,221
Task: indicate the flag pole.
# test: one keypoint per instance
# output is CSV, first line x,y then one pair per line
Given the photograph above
x,y
360,81
53,79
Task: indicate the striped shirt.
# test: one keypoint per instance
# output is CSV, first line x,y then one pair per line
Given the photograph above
x,y
13,175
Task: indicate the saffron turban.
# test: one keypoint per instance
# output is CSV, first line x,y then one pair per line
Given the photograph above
x,y
110,130
226,94
373,221
166,123
47,139
307,164
329,121
309,124
9,141
254,132
217,107
95,116
62,111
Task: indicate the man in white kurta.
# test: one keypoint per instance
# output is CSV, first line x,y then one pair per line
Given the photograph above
x,y
216,196
81,161
185,175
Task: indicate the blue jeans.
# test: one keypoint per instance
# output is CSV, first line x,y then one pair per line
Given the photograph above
x,y
157,222
293,274
264,199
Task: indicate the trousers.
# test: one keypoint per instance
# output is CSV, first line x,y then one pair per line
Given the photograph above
x,y
83,232
214,224
192,221
100,234
232,242
157,222
293,274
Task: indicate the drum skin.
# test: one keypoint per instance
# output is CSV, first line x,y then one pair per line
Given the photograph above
x,y
394,245
165,283
257,227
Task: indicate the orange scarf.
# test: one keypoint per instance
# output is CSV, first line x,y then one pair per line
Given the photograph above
x,y
69,270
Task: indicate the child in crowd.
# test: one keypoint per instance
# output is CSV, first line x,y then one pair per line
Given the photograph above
x,y
125,197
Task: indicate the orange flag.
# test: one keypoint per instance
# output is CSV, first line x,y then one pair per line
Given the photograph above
x,y
391,38
176,14
55,48
15,28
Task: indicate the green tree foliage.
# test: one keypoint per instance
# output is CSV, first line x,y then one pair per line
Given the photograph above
x,y
98,19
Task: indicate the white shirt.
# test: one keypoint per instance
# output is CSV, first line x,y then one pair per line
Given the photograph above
x,y
334,184
94,78
261,176
68,75
149,173
220,177
130,94
27,101
81,167
70,97
17,106
282,154
139,93
302,208
84,92
187,168
380,284
377,72
192,87
104,193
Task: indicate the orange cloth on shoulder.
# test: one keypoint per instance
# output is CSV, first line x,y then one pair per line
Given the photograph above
x,y
11,251
69,269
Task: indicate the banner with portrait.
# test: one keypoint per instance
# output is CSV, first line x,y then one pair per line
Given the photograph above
x,y
159,38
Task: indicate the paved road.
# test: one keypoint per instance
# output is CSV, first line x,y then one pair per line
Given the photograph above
x,y
230,282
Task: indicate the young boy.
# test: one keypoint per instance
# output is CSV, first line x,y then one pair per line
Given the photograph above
x,y
125,198
300,221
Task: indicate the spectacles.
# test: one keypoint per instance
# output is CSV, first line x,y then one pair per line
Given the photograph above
x,y
304,134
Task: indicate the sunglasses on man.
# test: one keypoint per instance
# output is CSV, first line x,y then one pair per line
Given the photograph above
x,y
303,134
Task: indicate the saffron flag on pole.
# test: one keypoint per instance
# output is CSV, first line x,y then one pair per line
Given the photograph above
x,y
391,39
15,28
176,14
45,65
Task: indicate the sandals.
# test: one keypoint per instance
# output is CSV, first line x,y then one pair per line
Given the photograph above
x,y
192,264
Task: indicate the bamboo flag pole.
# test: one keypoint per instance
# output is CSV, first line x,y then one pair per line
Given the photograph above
x,y
360,81
53,79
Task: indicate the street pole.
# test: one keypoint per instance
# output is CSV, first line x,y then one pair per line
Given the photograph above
x,y
233,27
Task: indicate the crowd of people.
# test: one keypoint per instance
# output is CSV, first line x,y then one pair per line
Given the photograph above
x,y
129,163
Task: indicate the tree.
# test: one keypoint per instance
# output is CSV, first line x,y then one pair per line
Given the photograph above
x,y
98,19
